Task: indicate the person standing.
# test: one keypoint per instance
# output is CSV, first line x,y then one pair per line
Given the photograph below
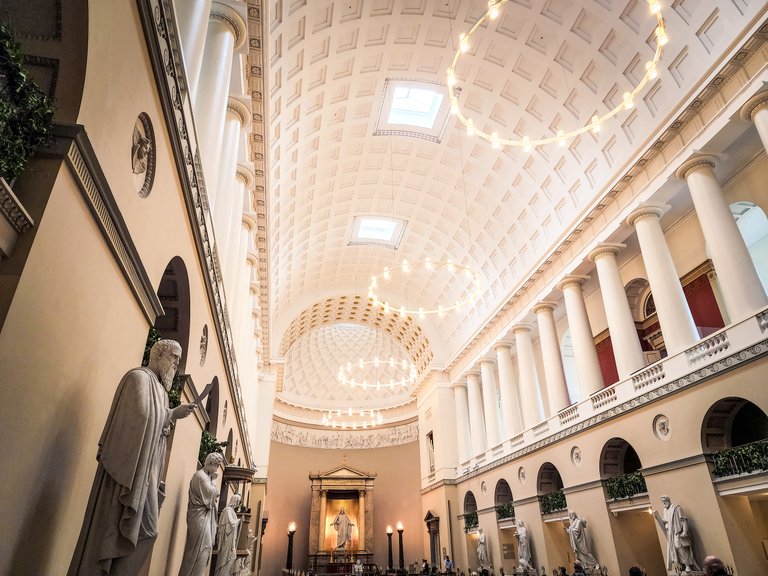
x,y
120,524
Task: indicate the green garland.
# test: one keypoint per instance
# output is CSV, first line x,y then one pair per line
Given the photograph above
x,y
741,459
470,521
625,486
208,445
504,511
25,112
552,502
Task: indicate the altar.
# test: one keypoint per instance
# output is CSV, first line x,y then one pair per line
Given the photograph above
x,y
341,521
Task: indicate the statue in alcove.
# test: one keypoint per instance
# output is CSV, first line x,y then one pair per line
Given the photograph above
x,y
343,526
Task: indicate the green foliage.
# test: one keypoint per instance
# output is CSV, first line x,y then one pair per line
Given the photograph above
x,y
470,521
504,511
552,502
209,444
25,112
625,486
174,394
741,459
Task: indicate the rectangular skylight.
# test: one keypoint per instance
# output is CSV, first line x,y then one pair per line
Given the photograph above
x,y
377,230
414,106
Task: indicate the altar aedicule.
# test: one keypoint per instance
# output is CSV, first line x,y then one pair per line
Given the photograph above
x,y
341,521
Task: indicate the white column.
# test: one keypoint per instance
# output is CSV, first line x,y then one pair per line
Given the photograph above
x,y
462,421
529,381
672,309
236,246
587,365
510,401
626,344
226,33
739,283
756,110
490,403
192,22
476,425
554,375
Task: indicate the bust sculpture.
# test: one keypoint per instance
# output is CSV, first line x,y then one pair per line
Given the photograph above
x,y
523,546
226,553
577,533
120,524
201,517
679,543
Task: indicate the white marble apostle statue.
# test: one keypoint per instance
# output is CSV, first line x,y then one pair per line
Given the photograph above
x,y
229,525
482,549
679,542
120,525
523,546
577,533
343,526
201,517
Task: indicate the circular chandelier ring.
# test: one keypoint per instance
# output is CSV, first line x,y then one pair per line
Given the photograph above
x,y
407,267
562,136
349,418
403,365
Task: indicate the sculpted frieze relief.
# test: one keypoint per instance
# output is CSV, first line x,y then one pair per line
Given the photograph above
x,y
350,440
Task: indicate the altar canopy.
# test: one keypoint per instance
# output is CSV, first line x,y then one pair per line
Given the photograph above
x,y
336,533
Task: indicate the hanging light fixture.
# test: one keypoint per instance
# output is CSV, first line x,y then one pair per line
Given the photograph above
x,y
528,143
352,418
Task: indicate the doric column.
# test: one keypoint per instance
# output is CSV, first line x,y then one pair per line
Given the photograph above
x,y
192,22
554,375
741,287
587,364
529,381
476,424
490,403
236,246
226,33
671,306
756,110
462,421
626,344
510,401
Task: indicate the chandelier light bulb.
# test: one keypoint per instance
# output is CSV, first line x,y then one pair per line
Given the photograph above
x,y
495,140
595,124
661,36
463,43
526,144
421,314
654,6
454,108
470,127
493,13
628,103
451,78
560,138
402,311
650,69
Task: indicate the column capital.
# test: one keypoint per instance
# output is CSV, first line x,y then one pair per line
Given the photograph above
x,y
544,306
696,163
459,384
646,211
226,13
521,328
472,372
758,102
501,345
249,221
486,359
572,280
238,106
245,174
605,249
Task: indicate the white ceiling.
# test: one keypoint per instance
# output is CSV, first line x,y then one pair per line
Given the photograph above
x,y
543,65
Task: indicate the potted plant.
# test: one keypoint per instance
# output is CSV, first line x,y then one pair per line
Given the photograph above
x,y
25,122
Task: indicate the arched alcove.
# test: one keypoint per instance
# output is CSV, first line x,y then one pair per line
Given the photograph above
x,y
753,225
638,291
212,407
549,479
173,294
229,451
618,458
503,493
733,422
470,504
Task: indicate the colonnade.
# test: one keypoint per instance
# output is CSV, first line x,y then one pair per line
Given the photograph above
x,y
213,36
527,397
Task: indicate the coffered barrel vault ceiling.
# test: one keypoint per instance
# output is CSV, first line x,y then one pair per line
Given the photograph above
x,y
542,66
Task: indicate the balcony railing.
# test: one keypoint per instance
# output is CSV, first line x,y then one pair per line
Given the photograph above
x,y
470,521
741,459
625,486
505,511
552,502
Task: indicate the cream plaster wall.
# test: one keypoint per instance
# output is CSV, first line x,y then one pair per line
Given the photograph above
x,y
396,498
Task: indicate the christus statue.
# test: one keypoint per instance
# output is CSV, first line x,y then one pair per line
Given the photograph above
x,y
343,526
679,542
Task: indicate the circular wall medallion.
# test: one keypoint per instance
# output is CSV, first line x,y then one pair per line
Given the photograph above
x,y
143,154
483,487
661,427
203,344
521,475
576,456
